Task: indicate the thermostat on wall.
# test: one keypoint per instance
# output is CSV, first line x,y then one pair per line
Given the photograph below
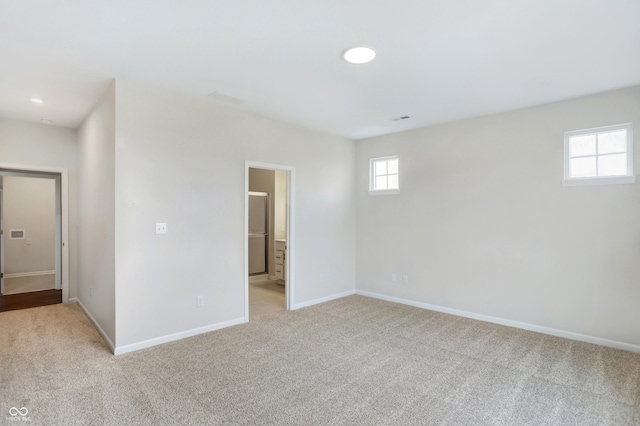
x,y
16,234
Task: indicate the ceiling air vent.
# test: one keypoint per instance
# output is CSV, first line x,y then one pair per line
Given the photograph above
x,y
404,117
217,96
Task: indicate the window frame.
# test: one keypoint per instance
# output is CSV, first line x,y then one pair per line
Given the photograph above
x,y
599,180
372,162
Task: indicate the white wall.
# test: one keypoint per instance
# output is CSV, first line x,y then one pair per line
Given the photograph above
x,y
96,218
29,204
483,224
182,161
24,143
280,206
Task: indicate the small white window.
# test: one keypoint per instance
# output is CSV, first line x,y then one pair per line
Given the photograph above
x,y
384,175
599,156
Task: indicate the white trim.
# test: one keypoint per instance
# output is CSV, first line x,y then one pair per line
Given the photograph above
x,y
1,234
259,278
290,237
383,191
29,274
323,299
176,336
509,323
94,322
29,291
64,199
609,180
264,278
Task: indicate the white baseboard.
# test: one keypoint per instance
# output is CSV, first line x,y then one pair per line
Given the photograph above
x,y
95,323
258,278
29,274
176,336
509,323
322,299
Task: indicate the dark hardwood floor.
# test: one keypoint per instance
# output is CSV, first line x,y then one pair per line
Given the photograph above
x,y
33,299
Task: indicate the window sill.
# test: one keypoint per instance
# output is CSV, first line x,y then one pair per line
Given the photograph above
x,y
612,180
384,192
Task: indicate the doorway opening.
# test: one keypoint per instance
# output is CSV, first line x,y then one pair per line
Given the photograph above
x,y
33,223
269,217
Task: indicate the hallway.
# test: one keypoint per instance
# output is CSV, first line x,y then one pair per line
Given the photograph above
x,y
265,298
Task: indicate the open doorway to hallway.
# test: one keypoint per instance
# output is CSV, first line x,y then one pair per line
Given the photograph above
x,y
30,248
268,263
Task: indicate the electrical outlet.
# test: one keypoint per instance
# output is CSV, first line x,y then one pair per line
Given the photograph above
x,y
161,228
200,301
405,279
90,291
394,278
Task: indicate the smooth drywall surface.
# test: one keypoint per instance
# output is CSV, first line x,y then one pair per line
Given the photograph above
x,y
96,224
483,224
24,143
29,204
182,161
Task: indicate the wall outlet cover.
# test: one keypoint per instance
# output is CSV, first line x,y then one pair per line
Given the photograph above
x,y
16,234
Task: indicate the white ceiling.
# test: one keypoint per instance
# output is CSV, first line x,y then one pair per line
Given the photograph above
x,y
438,60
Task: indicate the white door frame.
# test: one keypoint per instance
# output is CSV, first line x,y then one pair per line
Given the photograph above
x,y
1,236
290,263
62,250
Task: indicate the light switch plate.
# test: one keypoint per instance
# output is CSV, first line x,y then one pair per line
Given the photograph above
x,y
161,228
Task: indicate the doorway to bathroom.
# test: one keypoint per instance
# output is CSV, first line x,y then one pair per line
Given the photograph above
x,y
268,239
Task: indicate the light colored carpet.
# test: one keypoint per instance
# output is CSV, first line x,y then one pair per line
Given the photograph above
x,y
266,298
27,284
352,361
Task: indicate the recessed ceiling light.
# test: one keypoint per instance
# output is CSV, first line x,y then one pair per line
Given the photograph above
x,y
46,121
359,55
37,100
